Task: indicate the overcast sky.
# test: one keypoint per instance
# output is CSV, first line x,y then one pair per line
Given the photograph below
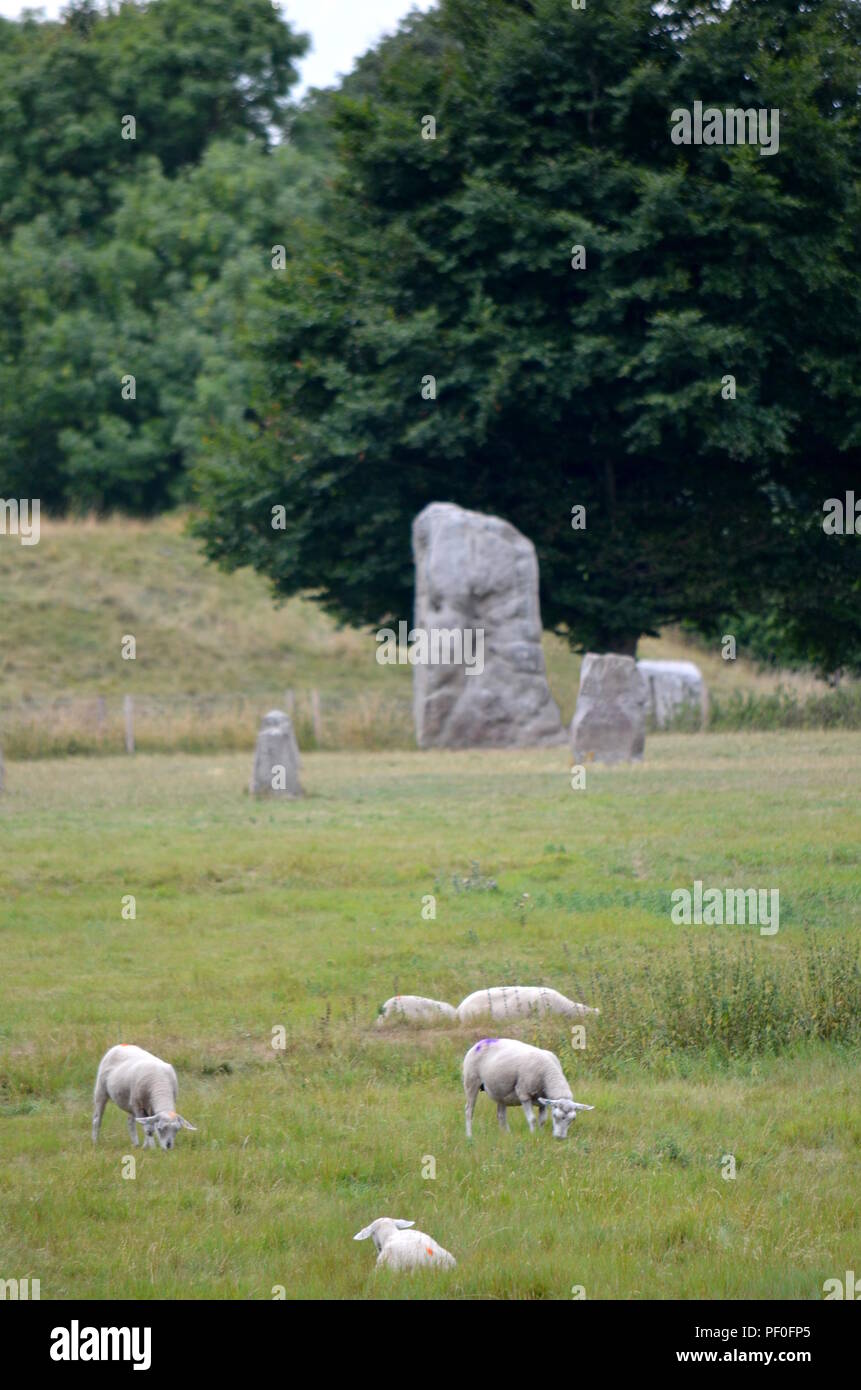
x,y
340,30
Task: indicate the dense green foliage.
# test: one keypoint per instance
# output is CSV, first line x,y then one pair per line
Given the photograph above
x,y
408,258
133,256
556,387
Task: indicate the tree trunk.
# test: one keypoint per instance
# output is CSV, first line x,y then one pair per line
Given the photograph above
x,y
621,643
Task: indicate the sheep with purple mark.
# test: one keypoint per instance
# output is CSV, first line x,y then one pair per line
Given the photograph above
x,y
516,1073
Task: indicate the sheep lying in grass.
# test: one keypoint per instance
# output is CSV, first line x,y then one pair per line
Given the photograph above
x,y
515,1073
415,1009
519,1001
143,1085
400,1248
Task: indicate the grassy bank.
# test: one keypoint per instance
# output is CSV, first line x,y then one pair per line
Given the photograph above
x,y
213,652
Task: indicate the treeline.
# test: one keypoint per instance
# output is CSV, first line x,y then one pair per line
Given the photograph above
x,y
526,298
503,284
141,193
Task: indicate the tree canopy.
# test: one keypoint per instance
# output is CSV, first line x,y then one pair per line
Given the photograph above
x,y
133,256
603,387
550,310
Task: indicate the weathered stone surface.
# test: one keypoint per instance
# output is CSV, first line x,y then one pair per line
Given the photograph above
x,y
477,572
609,723
671,686
276,758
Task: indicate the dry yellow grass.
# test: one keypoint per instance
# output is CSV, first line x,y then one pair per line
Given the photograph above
x,y
214,651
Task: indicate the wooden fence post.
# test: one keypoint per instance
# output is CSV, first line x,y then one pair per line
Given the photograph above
x,y
129,712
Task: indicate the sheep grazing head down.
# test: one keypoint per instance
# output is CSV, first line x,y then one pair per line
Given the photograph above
x,y
562,1112
164,1126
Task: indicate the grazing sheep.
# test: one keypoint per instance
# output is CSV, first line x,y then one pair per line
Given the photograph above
x,y
143,1085
519,1001
415,1009
400,1248
515,1073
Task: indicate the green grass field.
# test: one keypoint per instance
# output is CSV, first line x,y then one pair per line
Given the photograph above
x,y
712,1041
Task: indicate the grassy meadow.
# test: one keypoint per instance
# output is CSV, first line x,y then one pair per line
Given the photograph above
x,y
711,1042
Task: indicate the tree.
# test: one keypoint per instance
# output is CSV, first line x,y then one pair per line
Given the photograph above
x,y
189,74
131,258
603,387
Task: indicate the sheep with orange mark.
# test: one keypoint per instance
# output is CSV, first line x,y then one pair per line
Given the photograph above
x,y
400,1248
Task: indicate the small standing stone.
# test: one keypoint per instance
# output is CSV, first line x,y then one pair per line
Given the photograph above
x,y
671,687
609,723
276,758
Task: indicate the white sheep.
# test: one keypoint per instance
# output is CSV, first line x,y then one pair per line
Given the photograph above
x,y
415,1009
400,1248
143,1085
519,1001
515,1073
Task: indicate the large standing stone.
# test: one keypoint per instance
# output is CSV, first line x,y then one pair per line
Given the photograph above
x,y
478,573
609,723
671,687
276,758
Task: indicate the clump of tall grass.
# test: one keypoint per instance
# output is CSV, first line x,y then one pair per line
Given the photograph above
x,y
368,720
785,709
729,1002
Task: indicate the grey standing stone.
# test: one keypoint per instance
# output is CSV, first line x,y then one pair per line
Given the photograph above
x,y
477,572
276,758
609,723
672,686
